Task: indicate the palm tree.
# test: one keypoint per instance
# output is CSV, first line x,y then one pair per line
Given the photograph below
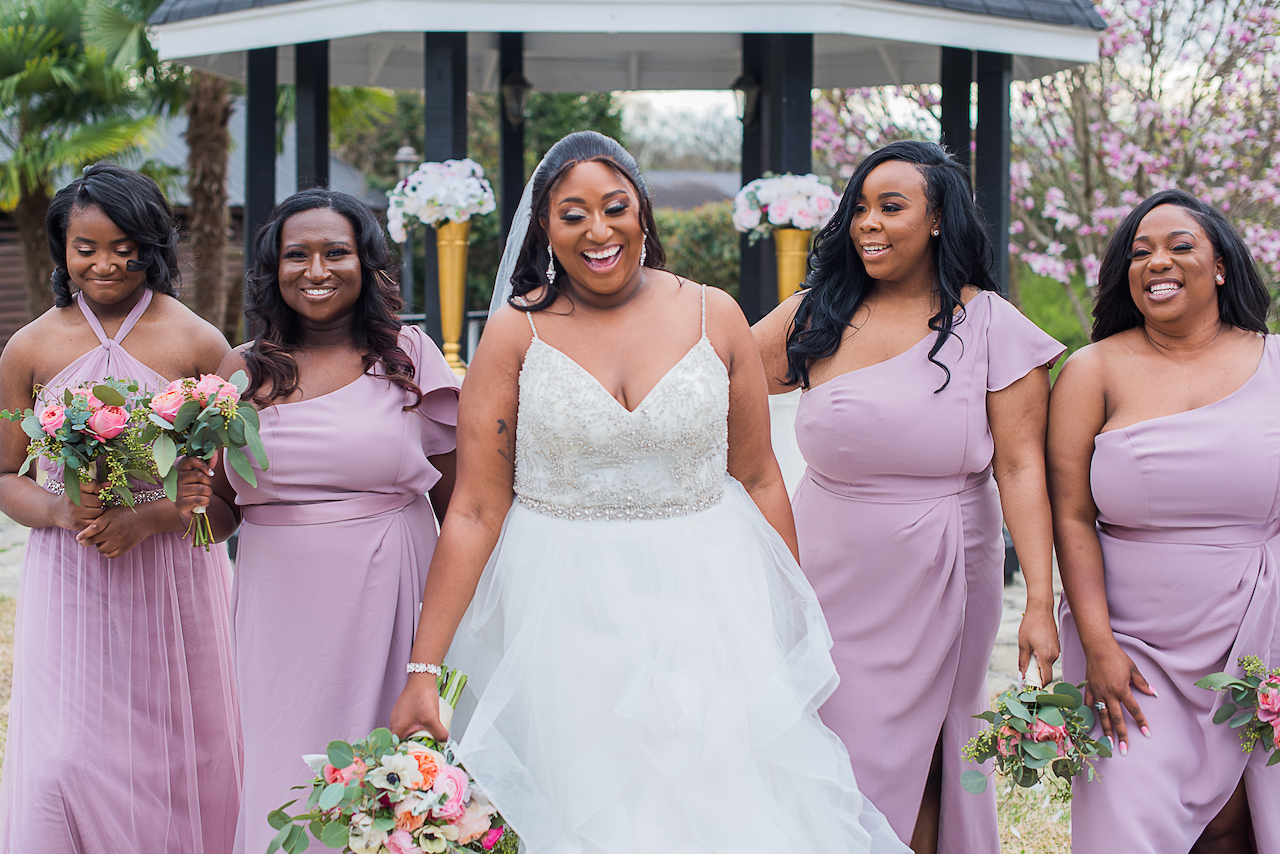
x,y
63,105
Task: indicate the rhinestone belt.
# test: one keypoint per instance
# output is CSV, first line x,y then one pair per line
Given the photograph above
x,y
56,487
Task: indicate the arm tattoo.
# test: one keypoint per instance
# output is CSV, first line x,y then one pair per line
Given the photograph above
x,y
510,453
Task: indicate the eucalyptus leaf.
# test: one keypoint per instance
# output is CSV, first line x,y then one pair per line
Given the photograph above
x,y
1104,747
1036,762
297,840
1241,718
254,443
26,464
385,823
139,474
1224,714
278,818
67,397
250,415
1086,718
165,452
1046,750
1028,777
332,795
1017,709
123,493
158,421
340,754
240,380
974,781
279,838
335,834
1051,716
1275,757
240,463
186,414
108,395
988,716
1050,698
1069,690
31,426
72,486
170,482
1019,725
1215,681
235,432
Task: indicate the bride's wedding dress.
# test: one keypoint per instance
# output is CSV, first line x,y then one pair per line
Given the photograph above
x,y
646,657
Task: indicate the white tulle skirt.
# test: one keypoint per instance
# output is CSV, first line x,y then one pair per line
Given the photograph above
x,y
651,687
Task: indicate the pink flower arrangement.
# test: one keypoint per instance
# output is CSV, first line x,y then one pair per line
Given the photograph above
x,y
384,795
1269,700
52,417
1251,705
783,201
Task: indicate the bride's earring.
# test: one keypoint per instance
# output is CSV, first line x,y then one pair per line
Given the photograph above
x,y
551,266
644,247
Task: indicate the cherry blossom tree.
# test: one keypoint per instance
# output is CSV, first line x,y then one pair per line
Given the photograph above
x,y
1185,94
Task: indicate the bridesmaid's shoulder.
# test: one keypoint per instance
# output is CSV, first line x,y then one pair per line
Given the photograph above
x,y
234,361
1093,363
187,329
52,329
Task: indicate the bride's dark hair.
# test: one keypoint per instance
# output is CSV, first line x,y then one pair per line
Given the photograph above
x,y
135,204
838,283
530,272
377,328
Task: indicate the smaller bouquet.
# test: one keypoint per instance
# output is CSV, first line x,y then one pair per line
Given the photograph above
x,y
197,418
1253,707
95,434
384,795
1034,729
783,201
453,190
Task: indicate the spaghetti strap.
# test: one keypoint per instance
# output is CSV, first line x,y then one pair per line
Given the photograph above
x,y
704,311
129,322
529,314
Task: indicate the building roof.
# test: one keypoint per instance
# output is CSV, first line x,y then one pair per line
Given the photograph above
x,y
630,44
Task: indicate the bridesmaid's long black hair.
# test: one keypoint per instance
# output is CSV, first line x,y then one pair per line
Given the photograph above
x,y
1243,300
838,283
583,146
138,208
377,328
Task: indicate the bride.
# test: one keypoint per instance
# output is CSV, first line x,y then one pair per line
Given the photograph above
x,y
646,657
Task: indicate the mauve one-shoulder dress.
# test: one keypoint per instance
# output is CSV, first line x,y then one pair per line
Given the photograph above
x,y
1188,517
334,548
124,734
899,525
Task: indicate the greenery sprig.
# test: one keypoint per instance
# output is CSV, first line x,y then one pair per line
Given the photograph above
x,y
1253,705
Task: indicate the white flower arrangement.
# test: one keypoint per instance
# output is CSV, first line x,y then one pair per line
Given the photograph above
x,y
454,190
783,201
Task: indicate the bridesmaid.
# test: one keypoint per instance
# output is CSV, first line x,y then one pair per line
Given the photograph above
x,y
358,418
1164,448
920,384
123,728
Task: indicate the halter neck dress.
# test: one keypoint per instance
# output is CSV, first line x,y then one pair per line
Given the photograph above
x,y
1189,522
899,524
334,548
124,732
646,658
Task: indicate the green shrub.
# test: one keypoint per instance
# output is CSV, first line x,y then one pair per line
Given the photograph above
x,y
701,244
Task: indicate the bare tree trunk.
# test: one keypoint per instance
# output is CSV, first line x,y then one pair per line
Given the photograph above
x,y
1015,290
1078,307
33,204
208,145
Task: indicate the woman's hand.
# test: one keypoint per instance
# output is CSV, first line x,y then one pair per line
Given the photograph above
x,y
1038,636
1108,673
118,530
75,517
195,487
418,708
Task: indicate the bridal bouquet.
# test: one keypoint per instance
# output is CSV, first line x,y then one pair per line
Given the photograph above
x,y
453,190
1033,731
1253,707
197,418
384,795
94,432
783,201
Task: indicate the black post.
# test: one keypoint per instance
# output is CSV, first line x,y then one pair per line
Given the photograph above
x,y
511,135
311,85
791,120
957,83
444,138
260,145
994,141
755,161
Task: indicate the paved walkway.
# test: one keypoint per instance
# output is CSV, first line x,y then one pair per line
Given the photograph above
x,y
13,544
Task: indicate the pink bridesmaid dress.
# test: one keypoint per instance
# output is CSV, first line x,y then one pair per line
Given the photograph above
x,y
334,548
899,525
1188,517
123,728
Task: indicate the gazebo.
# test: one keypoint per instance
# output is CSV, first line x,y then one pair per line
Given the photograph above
x,y
774,52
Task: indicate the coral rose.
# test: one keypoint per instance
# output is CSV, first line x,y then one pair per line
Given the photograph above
x,y
1269,700
108,422
1041,731
1275,733
429,763
354,771
405,819
475,821
212,387
1007,740
451,782
167,403
90,402
52,417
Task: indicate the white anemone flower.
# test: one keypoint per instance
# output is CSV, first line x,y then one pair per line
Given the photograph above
x,y
396,772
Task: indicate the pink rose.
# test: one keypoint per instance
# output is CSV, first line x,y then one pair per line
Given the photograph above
x,y
167,403
475,821
90,402
213,387
1268,697
491,838
1041,731
451,782
51,417
180,384
1007,740
354,771
108,422
401,842
1275,733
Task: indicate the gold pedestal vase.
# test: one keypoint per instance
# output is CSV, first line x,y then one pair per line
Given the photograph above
x,y
792,246
451,252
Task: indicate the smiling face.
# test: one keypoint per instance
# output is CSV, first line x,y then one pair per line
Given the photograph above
x,y
1173,267
594,228
319,274
98,253
892,222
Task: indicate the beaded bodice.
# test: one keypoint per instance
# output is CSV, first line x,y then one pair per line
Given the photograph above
x,y
580,454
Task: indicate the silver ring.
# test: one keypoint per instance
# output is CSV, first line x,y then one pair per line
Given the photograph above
x,y
1100,706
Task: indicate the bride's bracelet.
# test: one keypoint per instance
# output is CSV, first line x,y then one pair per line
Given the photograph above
x,y
415,667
